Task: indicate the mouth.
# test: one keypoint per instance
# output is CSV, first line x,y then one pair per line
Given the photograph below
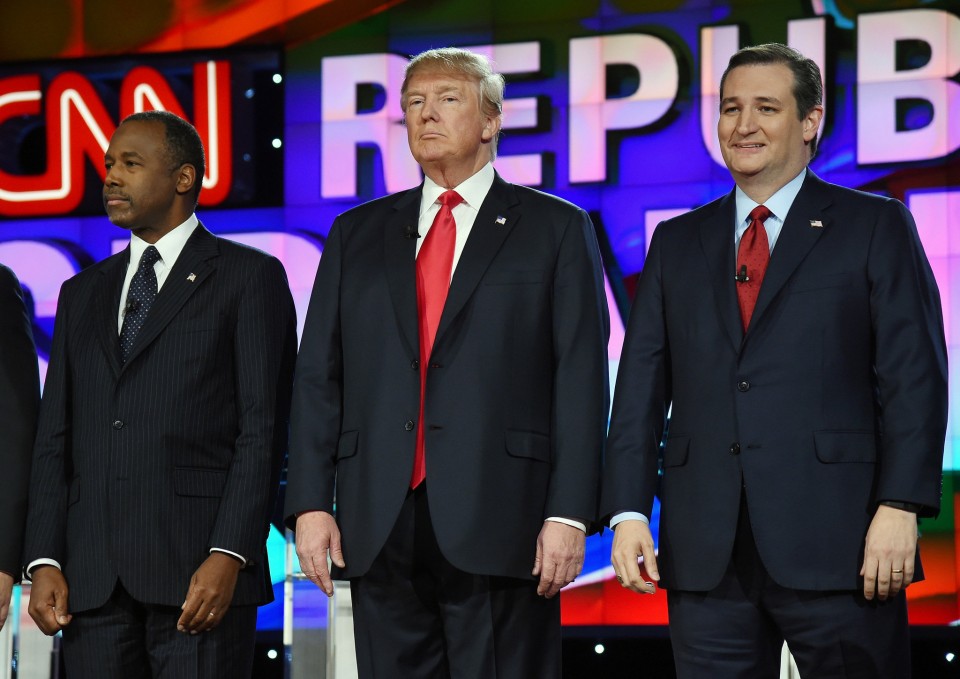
x,y
113,199
748,147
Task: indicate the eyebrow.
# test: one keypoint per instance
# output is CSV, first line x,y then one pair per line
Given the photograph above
x,y
762,100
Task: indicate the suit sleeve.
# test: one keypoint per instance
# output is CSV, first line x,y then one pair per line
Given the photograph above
x,y
318,392
19,398
641,399
910,360
581,393
47,515
264,354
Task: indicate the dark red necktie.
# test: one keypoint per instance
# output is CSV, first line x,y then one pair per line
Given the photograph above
x,y
752,259
434,266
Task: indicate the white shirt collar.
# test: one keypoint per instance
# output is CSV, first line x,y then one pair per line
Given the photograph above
x,y
778,204
473,190
169,246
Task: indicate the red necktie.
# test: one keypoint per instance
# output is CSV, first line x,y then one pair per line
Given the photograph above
x,y
752,259
434,266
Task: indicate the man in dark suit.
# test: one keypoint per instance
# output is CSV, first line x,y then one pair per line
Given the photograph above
x,y
19,398
808,397
162,428
461,420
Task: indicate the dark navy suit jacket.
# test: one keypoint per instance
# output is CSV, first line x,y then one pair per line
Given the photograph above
x,y
835,398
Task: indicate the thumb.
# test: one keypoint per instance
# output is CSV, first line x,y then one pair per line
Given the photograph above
x,y
336,551
61,606
538,559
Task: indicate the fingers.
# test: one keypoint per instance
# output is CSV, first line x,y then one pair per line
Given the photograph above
x,y
49,600
632,541
559,557
318,535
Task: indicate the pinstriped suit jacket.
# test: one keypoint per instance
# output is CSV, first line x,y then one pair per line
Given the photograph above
x,y
19,397
140,468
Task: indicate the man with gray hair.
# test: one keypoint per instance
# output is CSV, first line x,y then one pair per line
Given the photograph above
x,y
451,386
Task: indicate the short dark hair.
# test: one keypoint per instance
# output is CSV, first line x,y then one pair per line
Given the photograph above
x,y
182,141
807,82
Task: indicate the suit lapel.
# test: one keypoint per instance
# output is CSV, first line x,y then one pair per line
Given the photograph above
x,y
716,239
796,239
107,306
193,266
400,254
496,218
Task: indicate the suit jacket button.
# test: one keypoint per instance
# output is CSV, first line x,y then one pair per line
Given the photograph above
x,y
743,386
118,424
409,425
415,365
734,448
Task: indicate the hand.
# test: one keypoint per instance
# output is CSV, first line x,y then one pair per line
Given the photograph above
x,y
632,540
6,590
210,593
559,557
49,600
891,546
317,534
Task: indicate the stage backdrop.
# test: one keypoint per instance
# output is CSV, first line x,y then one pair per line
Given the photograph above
x,y
610,104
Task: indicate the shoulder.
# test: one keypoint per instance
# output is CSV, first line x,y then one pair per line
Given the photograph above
x,y
378,207
532,198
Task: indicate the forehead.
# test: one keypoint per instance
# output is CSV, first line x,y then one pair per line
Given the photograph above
x,y
141,136
759,81
434,79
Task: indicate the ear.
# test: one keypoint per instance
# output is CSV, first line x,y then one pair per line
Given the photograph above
x,y
186,179
811,123
491,127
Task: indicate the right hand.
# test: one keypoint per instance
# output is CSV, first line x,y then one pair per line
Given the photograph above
x,y
317,534
49,600
632,541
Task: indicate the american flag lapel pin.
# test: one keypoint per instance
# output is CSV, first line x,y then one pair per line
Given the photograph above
x,y
192,277
816,223
501,220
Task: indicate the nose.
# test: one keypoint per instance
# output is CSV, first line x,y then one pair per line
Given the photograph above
x,y
746,122
429,109
111,179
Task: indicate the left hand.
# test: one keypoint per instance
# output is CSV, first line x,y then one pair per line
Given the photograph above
x,y
891,547
210,593
560,550
6,590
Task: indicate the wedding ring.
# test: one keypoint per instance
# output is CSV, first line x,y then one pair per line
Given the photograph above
x,y
897,570
619,579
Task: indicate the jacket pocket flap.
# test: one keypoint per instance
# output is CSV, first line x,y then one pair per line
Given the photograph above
x,y
676,451
528,444
845,446
347,445
198,482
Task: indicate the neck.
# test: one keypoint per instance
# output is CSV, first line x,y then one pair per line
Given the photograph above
x,y
451,176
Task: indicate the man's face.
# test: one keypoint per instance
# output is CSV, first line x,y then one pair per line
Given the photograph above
x,y
141,187
445,126
762,138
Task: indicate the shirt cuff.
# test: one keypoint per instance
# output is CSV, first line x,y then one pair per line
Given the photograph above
x,y
569,522
227,551
37,563
628,516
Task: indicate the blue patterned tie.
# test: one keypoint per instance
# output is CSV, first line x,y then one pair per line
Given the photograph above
x,y
140,296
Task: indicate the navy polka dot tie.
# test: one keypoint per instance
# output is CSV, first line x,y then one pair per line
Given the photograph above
x,y
140,296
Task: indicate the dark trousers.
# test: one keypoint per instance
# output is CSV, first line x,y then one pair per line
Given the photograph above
x,y
737,629
125,639
416,616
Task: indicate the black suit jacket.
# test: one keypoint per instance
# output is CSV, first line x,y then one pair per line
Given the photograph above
x,y
516,397
19,398
141,467
835,399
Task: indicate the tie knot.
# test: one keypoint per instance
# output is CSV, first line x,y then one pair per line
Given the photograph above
x,y
450,199
150,257
760,214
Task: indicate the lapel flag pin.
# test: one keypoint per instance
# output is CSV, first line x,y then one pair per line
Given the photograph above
x,y
192,277
816,223
501,220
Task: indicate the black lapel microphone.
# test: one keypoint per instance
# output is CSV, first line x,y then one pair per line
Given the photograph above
x,y
411,231
741,276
